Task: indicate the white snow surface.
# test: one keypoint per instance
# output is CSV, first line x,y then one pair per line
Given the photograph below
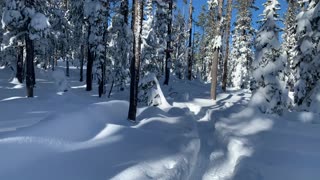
x,y
77,136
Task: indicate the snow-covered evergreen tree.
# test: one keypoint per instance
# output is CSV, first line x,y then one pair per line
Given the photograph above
x,y
289,40
242,44
25,20
76,21
179,46
160,28
150,66
96,14
306,64
120,40
268,91
150,63
205,53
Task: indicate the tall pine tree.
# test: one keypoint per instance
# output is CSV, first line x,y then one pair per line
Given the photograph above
x,y
268,91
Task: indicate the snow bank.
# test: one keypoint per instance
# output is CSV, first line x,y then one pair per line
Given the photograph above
x,y
251,145
98,142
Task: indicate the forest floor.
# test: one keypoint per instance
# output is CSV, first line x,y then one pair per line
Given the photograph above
x,y
75,135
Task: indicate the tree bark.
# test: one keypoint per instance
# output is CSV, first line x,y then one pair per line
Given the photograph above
x,y
19,73
89,69
190,42
30,75
225,65
104,63
169,48
135,64
81,62
89,65
67,67
215,60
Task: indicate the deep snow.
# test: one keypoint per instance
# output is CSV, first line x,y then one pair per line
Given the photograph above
x,y
75,135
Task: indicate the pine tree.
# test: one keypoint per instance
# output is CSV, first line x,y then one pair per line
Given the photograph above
x,y
168,49
217,43
96,14
226,57
24,19
290,41
205,53
119,46
160,27
76,13
242,45
306,64
180,51
268,92
190,41
149,63
150,66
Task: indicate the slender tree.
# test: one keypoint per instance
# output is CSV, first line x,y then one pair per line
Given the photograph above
x,y
290,40
226,57
190,42
169,48
306,66
216,46
242,45
135,63
101,66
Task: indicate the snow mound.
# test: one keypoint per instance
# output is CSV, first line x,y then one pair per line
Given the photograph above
x,y
98,142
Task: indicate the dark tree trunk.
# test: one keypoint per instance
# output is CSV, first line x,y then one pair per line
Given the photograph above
x,y
190,42
103,63
89,64
89,69
215,60
101,81
225,65
135,63
30,75
81,62
52,61
19,73
67,67
168,50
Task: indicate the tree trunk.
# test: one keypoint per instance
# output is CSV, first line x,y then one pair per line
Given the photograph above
x,y
89,64
19,73
67,67
168,50
190,42
215,61
52,57
81,62
104,63
225,65
30,75
89,69
135,64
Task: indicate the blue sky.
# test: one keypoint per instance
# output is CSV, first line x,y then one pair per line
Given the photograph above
x,y
198,4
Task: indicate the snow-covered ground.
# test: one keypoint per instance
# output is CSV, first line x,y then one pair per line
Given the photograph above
x,y
75,135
